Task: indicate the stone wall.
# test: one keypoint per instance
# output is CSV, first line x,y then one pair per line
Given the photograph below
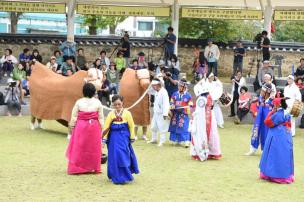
x,y
185,55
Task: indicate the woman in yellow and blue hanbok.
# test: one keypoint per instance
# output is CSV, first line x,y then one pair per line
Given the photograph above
x,y
119,134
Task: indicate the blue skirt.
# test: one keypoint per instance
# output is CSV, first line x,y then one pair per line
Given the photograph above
x,y
277,157
260,130
179,128
122,161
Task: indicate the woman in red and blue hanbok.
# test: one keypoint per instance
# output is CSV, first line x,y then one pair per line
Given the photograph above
x,y
260,130
181,104
119,135
277,164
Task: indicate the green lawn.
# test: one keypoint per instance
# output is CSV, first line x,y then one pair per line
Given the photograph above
x,y
33,168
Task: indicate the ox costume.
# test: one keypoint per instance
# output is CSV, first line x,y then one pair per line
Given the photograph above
x,y
260,130
277,164
161,109
205,141
181,104
293,93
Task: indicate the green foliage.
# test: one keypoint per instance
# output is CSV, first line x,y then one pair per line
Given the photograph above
x,y
289,31
95,22
219,30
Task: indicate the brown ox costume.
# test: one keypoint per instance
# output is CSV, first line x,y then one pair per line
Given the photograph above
x,y
132,88
52,95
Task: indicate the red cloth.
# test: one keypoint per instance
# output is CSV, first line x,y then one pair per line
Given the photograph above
x,y
268,122
84,150
208,116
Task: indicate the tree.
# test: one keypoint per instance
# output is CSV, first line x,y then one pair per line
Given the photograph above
x,y
219,30
101,22
289,31
14,18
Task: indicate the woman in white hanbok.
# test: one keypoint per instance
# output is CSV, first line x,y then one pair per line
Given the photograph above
x,y
205,142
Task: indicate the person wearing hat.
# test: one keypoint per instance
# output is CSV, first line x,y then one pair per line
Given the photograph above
x,y
266,69
160,121
216,87
243,107
181,105
11,98
269,79
277,163
52,64
212,53
260,130
205,141
292,92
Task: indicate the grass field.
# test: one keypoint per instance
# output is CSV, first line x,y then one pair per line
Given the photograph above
x,y
33,168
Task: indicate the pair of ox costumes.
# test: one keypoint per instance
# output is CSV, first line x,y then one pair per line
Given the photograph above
x,y
205,140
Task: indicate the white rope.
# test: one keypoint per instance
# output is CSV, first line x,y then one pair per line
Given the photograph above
x,y
137,101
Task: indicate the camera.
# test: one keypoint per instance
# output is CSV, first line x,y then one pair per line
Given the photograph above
x,y
12,84
258,39
168,74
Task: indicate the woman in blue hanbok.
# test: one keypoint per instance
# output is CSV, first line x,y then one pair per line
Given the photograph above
x,y
181,104
260,130
277,163
119,134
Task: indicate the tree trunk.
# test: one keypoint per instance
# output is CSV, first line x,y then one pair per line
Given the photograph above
x,y
92,30
93,27
14,17
112,29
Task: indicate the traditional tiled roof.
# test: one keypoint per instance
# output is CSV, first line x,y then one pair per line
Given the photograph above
x,y
137,42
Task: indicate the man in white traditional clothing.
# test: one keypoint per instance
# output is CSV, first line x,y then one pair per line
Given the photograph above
x,y
268,79
292,92
160,121
216,90
205,142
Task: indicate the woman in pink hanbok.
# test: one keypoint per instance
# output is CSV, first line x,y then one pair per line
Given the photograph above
x,y
205,141
84,150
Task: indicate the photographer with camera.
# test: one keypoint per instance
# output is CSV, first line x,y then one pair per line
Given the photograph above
x,y
7,62
12,98
170,76
169,44
265,45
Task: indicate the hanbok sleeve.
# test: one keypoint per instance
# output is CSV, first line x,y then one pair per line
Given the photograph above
x,y
74,115
131,125
166,103
100,114
107,125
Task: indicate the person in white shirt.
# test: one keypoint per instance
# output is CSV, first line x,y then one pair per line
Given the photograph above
x,y
174,62
212,54
160,121
292,92
268,79
52,64
104,59
216,90
7,62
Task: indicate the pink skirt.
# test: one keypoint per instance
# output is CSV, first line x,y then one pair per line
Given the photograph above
x,y
288,180
84,150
